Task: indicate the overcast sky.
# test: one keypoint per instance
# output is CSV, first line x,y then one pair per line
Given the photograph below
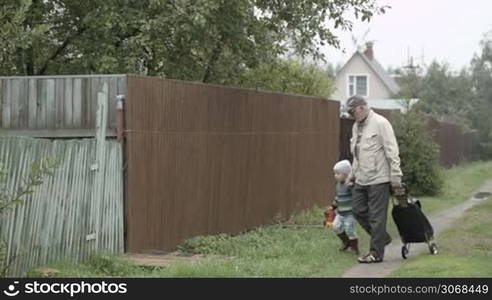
x,y
445,30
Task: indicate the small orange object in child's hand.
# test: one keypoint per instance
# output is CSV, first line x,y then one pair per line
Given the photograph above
x,y
329,217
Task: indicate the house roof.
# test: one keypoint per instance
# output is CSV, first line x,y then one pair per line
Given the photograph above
x,y
388,81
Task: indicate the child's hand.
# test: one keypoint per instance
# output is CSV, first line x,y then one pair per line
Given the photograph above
x,y
329,216
329,225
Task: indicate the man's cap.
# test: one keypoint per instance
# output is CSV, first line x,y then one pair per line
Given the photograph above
x,y
355,101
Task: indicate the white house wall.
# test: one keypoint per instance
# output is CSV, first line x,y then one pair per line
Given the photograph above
x,y
356,65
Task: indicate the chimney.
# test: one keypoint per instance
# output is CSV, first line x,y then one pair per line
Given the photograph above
x,y
369,52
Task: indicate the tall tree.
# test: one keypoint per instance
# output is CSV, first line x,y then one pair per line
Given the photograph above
x,y
288,76
202,40
481,74
444,94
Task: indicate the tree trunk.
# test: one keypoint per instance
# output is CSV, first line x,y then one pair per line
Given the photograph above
x,y
213,60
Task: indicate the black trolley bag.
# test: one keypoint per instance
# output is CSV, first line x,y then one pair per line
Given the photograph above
x,y
413,226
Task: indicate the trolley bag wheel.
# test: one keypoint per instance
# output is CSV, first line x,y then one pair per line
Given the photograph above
x,y
405,251
433,248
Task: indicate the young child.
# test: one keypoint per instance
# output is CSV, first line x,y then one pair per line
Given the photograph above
x,y
344,223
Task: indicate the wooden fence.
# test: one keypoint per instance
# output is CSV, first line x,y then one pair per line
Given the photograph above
x,y
456,144
75,213
56,106
207,159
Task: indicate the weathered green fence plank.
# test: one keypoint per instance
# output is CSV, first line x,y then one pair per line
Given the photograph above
x,y
53,223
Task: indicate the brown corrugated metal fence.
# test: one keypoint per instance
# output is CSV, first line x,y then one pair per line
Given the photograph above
x,y
456,144
209,159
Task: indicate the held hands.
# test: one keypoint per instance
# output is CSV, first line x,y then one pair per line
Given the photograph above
x,y
350,182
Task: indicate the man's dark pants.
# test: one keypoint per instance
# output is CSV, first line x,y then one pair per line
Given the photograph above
x,y
370,208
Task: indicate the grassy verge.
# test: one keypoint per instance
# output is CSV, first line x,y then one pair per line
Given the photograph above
x,y
459,183
276,250
465,249
270,251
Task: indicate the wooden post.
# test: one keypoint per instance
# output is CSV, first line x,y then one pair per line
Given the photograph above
x,y
97,195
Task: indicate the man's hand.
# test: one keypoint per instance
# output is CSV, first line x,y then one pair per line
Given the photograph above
x,y
350,182
396,186
402,200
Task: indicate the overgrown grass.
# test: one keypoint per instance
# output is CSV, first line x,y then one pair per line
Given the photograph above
x,y
459,183
465,249
270,251
277,250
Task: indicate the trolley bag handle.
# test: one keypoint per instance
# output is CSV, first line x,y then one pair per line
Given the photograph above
x,y
400,195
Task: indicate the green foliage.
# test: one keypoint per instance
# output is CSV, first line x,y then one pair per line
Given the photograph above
x,y
288,76
39,169
19,36
227,245
481,76
464,98
199,40
8,201
419,154
107,265
445,95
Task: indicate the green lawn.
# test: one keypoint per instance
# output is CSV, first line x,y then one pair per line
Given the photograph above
x,y
276,251
465,249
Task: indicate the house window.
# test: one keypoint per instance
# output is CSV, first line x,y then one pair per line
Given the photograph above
x,y
358,85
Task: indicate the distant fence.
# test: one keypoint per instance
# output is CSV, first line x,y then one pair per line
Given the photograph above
x,y
51,106
67,217
456,145
207,159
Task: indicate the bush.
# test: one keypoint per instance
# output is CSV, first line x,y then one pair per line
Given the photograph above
x,y
419,154
288,76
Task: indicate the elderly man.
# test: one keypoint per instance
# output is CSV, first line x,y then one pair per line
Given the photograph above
x,y
376,169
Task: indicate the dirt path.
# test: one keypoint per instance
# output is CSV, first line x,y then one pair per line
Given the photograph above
x,y
439,221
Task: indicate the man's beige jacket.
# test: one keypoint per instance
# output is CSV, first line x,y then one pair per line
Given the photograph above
x,y
378,159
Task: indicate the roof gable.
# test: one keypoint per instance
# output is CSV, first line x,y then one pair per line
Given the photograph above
x,y
388,81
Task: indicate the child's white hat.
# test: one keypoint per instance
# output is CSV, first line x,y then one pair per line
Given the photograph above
x,y
343,166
